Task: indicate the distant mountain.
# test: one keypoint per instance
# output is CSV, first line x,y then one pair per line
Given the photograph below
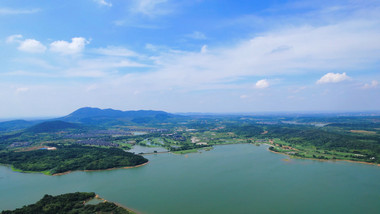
x,y
91,117
88,112
52,126
110,116
15,125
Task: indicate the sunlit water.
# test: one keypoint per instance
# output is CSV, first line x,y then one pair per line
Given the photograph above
x,y
228,179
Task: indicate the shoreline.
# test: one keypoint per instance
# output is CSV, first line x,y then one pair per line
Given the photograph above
x,y
95,170
21,171
290,156
316,159
172,152
117,204
129,167
64,173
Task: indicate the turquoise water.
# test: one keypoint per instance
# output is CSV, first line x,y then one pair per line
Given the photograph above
x,y
228,179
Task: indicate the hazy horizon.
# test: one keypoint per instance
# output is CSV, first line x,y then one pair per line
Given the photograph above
x,y
263,113
189,56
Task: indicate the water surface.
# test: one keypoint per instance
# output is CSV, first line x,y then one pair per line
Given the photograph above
x,y
227,179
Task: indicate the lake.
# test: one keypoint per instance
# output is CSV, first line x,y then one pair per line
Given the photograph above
x,y
228,179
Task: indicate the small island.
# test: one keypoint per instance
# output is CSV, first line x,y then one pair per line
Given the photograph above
x,y
71,203
66,158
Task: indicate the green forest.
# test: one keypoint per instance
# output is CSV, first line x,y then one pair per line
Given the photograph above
x,y
334,141
70,203
69,158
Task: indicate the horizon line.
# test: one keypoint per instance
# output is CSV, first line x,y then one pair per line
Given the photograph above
x,y
258,113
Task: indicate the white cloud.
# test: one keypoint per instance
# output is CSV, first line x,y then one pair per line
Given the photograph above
x,y
298,89
85,73
350,45
99,68
135,23
105,64
204,49
150,7
262,84
103,3
14,38
116,51
32,46
10,11
27,45
157,48
36,62
28,74
197,35
333,78
143,13
373,84
76,46
151,47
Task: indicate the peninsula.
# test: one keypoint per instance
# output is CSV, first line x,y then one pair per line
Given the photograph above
x,y
71,203
67,158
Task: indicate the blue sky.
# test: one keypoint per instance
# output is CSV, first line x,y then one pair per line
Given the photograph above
x,y
189,55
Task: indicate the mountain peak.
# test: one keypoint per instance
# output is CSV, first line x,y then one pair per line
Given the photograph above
x,y
94,112
96,115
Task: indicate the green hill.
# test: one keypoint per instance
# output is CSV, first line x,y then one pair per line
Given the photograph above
x,y
52,126
96,116
69,203
15,125
70,158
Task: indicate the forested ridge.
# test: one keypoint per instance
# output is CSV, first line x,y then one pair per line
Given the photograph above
x,y
334,137
52,126
323,138
69,158
70,203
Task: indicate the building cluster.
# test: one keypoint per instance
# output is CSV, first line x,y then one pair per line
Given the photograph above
x,y
20,144
97,142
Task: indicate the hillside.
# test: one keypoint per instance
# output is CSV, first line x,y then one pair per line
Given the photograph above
x,y
70,158
15,125
96,116
69,203
92,117
52,126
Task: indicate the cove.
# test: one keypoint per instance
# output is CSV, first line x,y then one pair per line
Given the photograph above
x,y
228,179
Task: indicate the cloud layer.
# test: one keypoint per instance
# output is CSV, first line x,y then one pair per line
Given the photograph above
x,y
160,57
373,84
104,3
150,7
10,11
